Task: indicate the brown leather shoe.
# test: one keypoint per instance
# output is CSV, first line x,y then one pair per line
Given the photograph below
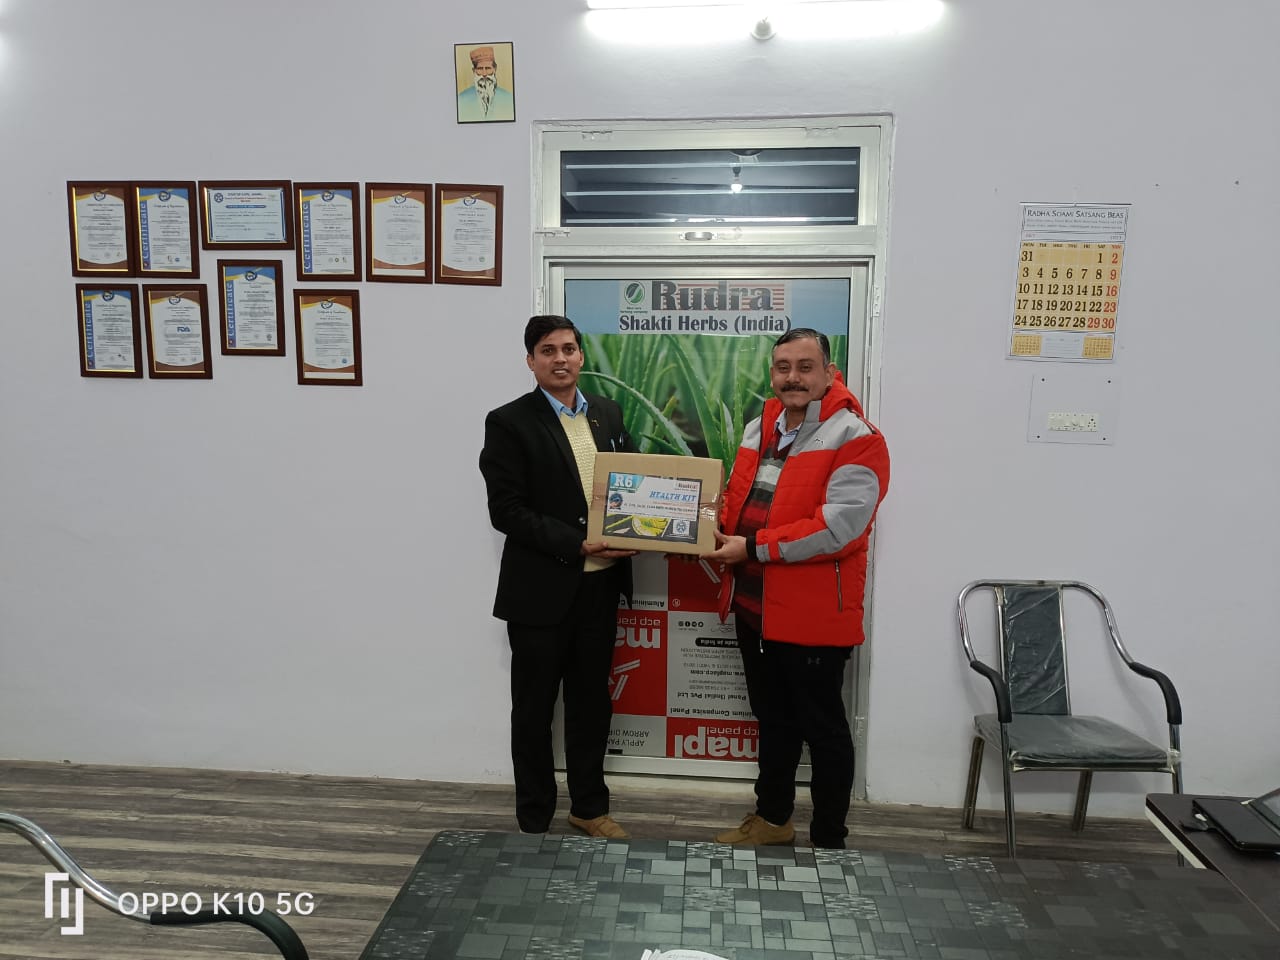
x,y
604,826
755,831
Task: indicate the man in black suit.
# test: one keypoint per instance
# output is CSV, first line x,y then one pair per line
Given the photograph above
x,y
557,592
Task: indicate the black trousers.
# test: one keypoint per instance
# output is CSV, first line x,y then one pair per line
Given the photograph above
x,y
794,692
578,653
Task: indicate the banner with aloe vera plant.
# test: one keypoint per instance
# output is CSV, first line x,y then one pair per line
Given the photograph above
x,y
688,361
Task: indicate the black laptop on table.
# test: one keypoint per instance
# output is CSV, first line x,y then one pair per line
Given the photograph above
x,y
1251,825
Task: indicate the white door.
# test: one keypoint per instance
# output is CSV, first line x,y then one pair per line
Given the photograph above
x,y
684,348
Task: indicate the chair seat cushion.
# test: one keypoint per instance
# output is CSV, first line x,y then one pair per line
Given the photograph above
x,y
1044,741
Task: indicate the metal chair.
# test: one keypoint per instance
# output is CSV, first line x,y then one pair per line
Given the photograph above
x,y
1033,726
267,922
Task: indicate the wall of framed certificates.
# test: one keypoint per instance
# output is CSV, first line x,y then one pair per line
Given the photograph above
x,y
123,231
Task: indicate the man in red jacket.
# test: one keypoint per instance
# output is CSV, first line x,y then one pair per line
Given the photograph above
x,y
800,503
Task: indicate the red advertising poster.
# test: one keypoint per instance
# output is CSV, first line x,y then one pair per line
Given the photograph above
x,y
677,682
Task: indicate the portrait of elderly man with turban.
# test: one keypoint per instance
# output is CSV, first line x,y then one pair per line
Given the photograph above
x,y
483,99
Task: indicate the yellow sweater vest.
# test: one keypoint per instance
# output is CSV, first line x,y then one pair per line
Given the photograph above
x,y
583,445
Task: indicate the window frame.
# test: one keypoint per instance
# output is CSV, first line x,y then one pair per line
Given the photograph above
x,y
870,134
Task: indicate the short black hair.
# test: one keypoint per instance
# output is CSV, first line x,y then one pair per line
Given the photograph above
x,y
806,333
539,326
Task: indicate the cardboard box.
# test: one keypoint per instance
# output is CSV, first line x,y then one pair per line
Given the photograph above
x,y
654,501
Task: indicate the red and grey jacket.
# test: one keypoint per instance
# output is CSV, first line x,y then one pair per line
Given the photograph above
x,y
814,544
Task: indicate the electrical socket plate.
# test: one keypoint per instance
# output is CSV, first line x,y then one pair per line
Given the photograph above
x,y
1073,406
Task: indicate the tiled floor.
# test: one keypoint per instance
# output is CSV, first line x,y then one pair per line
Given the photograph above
x,y
493,896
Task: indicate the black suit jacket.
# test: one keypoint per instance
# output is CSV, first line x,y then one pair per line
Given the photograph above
x,y
536,499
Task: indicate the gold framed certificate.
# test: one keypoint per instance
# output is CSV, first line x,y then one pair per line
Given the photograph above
x,y
245,215
99,214
110,333
468,234
327,334
251,302
177,322
164,229
398,232
326,219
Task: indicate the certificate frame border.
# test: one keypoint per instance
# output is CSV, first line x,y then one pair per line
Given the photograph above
x,y
226,351
284,186
352,276
131,259
193,228
139,359
303,379
491,277
152,372
428,233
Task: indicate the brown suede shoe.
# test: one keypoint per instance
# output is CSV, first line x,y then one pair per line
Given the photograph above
x,y
755,831
604,826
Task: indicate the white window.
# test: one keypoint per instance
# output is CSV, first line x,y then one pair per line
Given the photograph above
x,y
713,183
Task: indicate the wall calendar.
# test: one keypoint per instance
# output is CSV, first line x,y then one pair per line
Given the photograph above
x,y
1068,281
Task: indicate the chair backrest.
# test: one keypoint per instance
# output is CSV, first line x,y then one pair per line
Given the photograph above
x,y
1033,656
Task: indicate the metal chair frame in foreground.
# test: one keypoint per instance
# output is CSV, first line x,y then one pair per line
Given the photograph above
x,y
271,924
1033,726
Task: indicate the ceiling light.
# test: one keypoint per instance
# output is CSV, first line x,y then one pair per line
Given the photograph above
x,y
637,4
696,22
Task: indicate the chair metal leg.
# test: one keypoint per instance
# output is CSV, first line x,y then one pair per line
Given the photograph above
x,y
1175,745
1082,800
1007,769
971,791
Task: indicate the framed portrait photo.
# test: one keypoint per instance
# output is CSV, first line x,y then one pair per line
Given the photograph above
x,y
485,78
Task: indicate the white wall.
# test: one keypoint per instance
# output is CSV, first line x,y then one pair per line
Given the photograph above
x,y
246,573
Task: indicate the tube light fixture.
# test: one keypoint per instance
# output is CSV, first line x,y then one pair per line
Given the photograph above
x,y
689,22
642,4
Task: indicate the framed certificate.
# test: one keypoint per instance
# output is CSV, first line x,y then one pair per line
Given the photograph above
x,y
164,229
251,301
245,215
110,334
398,232
468,234
326,329
326,217
99,215
177,322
